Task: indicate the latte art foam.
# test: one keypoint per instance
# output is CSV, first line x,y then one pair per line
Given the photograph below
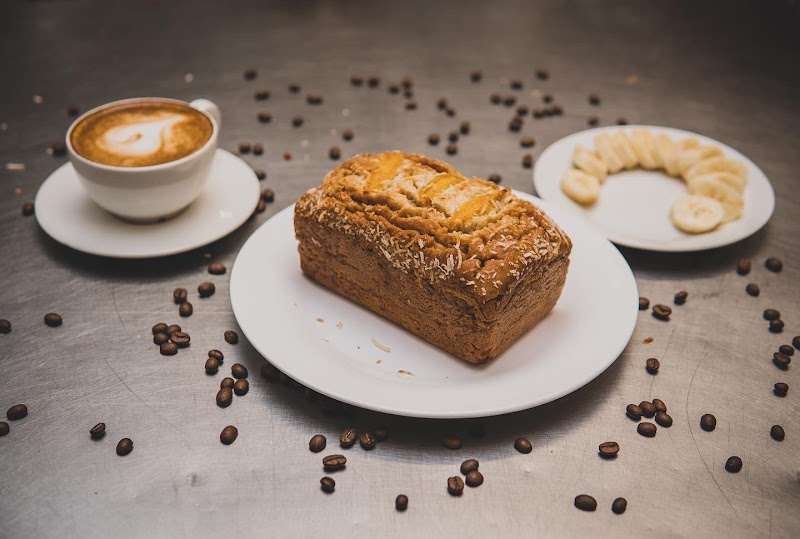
x,y
140,134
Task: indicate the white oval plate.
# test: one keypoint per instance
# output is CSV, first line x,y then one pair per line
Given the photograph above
x,y
633,208
67,215
337,347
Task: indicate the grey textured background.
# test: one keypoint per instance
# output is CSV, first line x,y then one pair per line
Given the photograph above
x,y
725,69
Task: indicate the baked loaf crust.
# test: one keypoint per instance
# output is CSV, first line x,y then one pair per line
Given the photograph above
x,y
462,263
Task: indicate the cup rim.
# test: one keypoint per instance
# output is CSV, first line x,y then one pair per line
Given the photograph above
x,y
160,166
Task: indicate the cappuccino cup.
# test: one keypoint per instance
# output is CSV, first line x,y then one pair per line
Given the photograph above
x,y
145,159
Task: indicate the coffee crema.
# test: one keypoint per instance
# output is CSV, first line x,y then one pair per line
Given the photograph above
x,y
141,133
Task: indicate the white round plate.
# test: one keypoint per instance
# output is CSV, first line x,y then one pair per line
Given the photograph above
x,y
633,208
338,348
70,217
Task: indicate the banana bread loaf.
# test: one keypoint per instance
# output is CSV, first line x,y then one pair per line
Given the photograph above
x,y
462,263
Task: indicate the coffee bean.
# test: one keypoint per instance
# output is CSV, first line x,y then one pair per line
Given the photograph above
x,y
495,99
180,338
659,405
228,435
334,462
347,134
733,464
476,75
516,84
474,479
294,88
212,366
58,149
786,349
593,121
451,149
522,110
464,128
373,82
515,125
773,264
73,110
216,354
264,117
381,434
527,161
215,268
527,142
297,121
124,447
796,341
622,121
168,349
317,443
206,289
441,103
185,309
53,320
401,502
648,408
619,505
661,312
743,266
771,314
780,389
781,360
469,465
523,445
241,387
634,411
231,337
680,297
452,136
327,484
239,371
356,80
509,100
268,195
250,74
450,112
646,429
708,422
584,502
608,449
269,372
261,95
495,178
224,396
393,89
411,105
98,431
455,485
5,326
244,147
348,437
652,365
777,433
4,428
334,152
174,328
258,149
161,327
776,326
367,440
27,209
547,98
752,289
542,74
160,338
663,419
433,139
451,442
408,94
227,382
594,99
18,411
314,99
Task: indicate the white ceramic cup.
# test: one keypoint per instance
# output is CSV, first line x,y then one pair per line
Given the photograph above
x,y
150,193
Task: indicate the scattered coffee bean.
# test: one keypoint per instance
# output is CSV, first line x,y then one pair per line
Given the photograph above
x,y
594,99
179,295
661,312
408,94
297,121
441,103
664,419
495,99
680,297
411,105
381,434
98,431
185,309
542,74
18,411
215,268
73,110
327,484
356,80
777,433
781,360
294,88
227,382
786,349
224,396
771,314
450,112
527,161
4,428
455,485
622,121
261,95
474,479
648,408
464,128
238,371
367,440
268,195
584,502
495,178
5,326
752,289
347,134
509,100
743,266
212,366
652,365
244,147
708,422
539,113
619,505
161,327
796,341
394,89
660,406
523,445
180,338
228,435
168,349
433,139
776,326
269,372
634,411
476,75
334,462
241,387
160,338
451,442
124,447
373,82
231,337
258,149
401,502
547,98
593,121
314,99
334,152
173,328
27,209
58,149
451,149
608,449
53,320
317,443
516,84
733,464
773,264
264,117
250,74
452,136
780,389
522,110
527,142
216,354
646,429
515,124
469,465
348,437
261,206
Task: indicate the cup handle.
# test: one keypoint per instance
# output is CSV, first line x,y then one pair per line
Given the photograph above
x,y
209,108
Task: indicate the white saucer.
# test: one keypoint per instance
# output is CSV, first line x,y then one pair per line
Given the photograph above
x,y
70,217
633,208
347,352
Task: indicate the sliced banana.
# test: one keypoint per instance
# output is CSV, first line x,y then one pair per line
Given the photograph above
x,y
663,150
624,150
737,182
689,157
580,187
716,164
696,214
605,149
588,161
712,187
642,142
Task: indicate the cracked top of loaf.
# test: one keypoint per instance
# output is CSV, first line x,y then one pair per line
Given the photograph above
x,y
429,220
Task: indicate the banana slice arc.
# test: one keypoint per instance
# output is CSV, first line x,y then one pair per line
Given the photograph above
x,y
642,142
588,161
580,187
712,187
696,214
605,149
663,149
737,182
624,150
716,164
689,157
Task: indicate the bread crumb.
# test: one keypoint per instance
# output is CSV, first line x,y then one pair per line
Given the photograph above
x,y
339,325
648,340
401,371
321,320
